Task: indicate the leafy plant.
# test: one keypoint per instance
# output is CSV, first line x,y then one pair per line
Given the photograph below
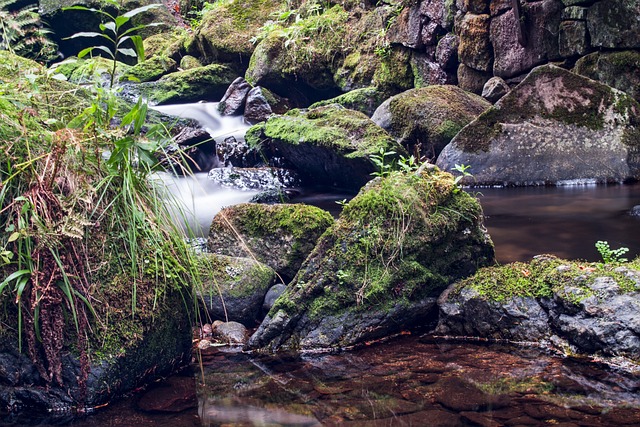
x,y
118,35
381,161
464,172
611,256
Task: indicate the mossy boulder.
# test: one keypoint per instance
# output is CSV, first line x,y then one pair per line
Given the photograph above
x,y
280,236
151,69
328,145
365,100
96,69
570,306
379,269
206,83
614,24
166,44
424,120
554,126
233,289
227,28
620,70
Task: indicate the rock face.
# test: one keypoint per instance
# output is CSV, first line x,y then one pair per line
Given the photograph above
x,y
425,120
592,309
280,236
535,134
233,289
380,267
327,145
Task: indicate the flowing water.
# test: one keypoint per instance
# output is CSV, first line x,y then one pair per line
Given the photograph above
x,y
410,380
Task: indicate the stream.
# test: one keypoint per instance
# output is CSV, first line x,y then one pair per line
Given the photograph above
x,y
413,379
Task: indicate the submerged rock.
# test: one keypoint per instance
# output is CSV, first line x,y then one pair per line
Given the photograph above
x,y
553,126
233,288
425,120
254,178
327,145
588,308
233,101
281,236
380,267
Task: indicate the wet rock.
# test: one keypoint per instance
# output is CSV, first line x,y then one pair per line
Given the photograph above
x,y
189,62
233,288
635,211
586,309
281,236
425,120
236,152
327,145
373,274
271,197
257,107
494,89
616,69
175,394
254,178
534,134
459,395
233,101
232,333
272,295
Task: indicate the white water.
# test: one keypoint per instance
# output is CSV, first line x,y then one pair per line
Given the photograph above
x,y
197,199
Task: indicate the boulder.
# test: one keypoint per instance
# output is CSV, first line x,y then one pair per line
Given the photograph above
x,y
472,80
232,333
365,100
542,25
379,269
494,89
567,305
206,83
573,39
261,103
264,178
635,211
614,24
272,295
536,132
474,48
233,289
233,100
424,120
616,69
166,44
151,69
328,145
280,236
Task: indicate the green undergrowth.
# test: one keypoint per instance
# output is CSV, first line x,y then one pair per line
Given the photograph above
x,y
547,276
89,256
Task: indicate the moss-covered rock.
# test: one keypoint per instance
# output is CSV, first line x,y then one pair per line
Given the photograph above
x,y
328,145
537,132
570,306
616,69
206,83
233,289
280,236
365,100
425,120
166,44
151,69
96,69
380,267
227,28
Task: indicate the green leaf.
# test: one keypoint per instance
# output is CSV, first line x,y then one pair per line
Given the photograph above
x,y
121,20
111,26
16,275
87,34
138,10
14,236
139,47
128,52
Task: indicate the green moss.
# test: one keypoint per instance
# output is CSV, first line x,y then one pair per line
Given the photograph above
x,y
395,73
545,277
151,69
364,100
234,277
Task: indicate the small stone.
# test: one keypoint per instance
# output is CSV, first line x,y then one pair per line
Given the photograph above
x,y
234,98
272,295
233,333
204,344
635,211
494,89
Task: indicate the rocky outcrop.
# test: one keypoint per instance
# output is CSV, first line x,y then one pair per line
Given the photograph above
x,y
588,308
425,120
381,266
535,134
327,145
280,236
233,289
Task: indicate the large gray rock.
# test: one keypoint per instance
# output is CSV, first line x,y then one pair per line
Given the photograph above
x,y
542,25
280,236
328,145
233,100
549,301
537,132
380,267
233,289
425,120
